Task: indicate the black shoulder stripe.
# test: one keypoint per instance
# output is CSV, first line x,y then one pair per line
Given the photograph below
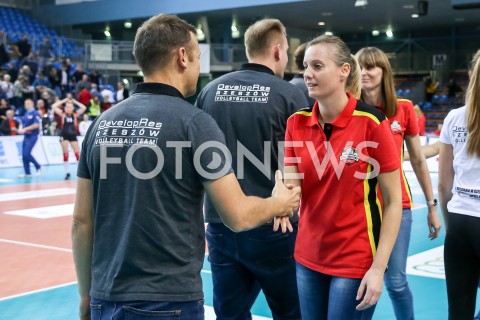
x,y
306,109
363,107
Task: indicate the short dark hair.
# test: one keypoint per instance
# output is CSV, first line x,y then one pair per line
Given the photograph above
x,y
298,56
156,40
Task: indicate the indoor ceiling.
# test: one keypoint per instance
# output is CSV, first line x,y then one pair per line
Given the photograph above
x,y
339,16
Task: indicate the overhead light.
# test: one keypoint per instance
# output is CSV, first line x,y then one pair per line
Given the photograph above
x,y
321,23
415,15
235,32
329,33
361,3
107,33
389,33
200,34
375,33
127,24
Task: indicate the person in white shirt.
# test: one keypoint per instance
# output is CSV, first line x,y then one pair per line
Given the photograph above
x,y
459,193
122,92
7,88
84,124
107,93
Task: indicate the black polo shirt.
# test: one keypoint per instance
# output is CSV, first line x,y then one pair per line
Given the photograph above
x,y
251,106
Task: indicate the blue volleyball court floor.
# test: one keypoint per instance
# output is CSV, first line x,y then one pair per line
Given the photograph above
x,y
37,279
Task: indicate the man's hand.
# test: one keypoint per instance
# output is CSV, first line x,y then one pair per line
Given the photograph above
x,y
288,199
84,310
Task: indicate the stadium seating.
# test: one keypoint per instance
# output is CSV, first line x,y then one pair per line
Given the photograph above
x,y
14,24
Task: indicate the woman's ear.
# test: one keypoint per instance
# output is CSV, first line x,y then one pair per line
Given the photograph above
x,y
345,71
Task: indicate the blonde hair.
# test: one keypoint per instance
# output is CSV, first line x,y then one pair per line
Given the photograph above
x,y
371,57
354,86
258,36
418,110
343,55
473,107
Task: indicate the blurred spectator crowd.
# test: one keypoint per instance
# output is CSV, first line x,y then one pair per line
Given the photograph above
x,y
38,76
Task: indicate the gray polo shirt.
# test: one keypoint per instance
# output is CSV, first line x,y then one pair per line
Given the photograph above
x,y
147,158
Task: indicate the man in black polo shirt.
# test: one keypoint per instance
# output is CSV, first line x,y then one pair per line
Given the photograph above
x,y
252,106
138,230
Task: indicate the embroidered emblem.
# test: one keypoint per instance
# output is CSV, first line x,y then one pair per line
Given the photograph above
x,y
349,156
396,127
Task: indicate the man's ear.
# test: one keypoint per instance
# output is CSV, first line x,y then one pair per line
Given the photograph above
x,y
182,57
276,51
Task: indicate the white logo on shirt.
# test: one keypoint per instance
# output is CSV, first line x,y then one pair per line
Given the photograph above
x,y
459,134
396,127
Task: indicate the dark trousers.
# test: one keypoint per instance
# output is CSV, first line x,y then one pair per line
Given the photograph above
x,y
27,146
146,310
462,265
243,263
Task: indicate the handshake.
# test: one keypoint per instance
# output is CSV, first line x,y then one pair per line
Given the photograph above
x,y
287,197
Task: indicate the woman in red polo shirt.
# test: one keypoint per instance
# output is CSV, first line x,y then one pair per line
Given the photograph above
x,y
378,90
340,151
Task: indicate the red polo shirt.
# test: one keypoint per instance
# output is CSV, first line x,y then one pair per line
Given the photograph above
x,y
404,123
340,214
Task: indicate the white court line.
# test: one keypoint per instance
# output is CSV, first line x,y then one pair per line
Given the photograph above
x,y
6,180
209,312
37,291
28,244
417,206
12,196
44,212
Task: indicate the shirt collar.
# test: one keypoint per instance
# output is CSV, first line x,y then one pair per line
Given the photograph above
x,y
257,67
158,88
342,120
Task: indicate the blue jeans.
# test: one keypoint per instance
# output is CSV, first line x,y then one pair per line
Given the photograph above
x,y
396,276
146,310
243,263
27,146
324,297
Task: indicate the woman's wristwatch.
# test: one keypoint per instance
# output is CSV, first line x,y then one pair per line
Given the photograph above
x,y
432,203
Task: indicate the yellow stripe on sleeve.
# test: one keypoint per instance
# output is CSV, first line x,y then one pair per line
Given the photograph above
x,y
366,114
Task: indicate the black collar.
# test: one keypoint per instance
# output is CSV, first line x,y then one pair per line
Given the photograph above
x,y
257,67
157,88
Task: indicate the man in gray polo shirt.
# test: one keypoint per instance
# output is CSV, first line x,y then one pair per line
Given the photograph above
x,y
252,106
138,230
